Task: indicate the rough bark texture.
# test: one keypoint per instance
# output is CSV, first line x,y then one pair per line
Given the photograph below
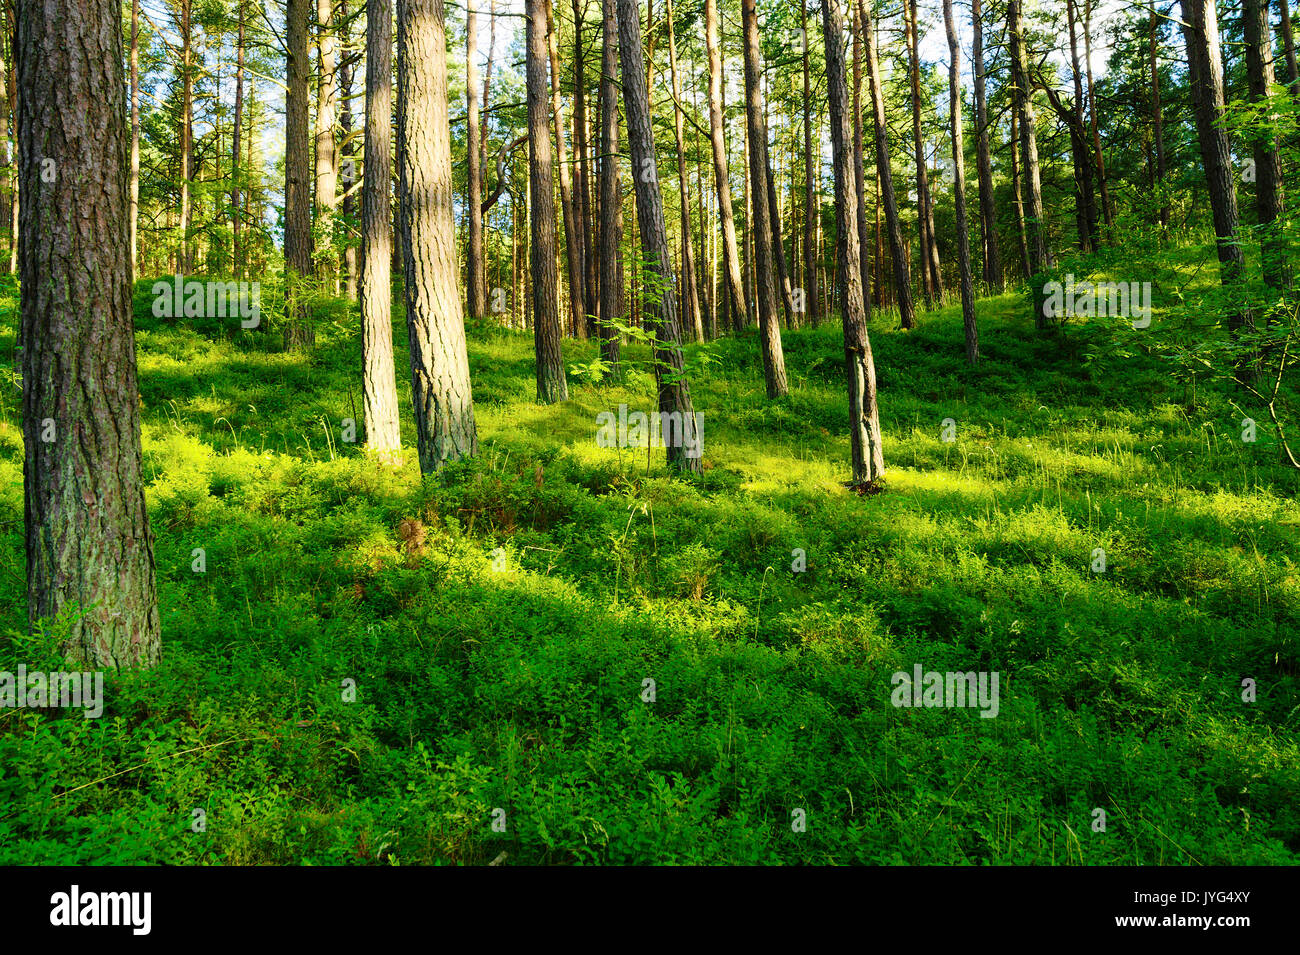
x,y
1205,64
966,277
765,274
611,200
1268,160
992,257
868,461
88,541
897,247
735,281
551,383
379,380
440,386
476,277
660,311
298,331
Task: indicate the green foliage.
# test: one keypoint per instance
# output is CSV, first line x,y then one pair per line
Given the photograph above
x,y
500,620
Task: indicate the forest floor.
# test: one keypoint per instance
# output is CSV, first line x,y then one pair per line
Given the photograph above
x,y
501,702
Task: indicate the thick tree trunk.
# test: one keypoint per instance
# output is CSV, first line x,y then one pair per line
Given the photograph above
x,y
660,309
761,225
440,385
379,381
476,277
992,257
735,281
551,383
1268,159
298,332
691,298
90,560
1205,64
967,278
611,200
897,246
867,455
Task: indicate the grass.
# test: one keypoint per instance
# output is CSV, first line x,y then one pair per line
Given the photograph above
x,y
499,622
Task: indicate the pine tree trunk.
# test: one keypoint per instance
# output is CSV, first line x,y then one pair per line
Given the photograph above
x,y
474,171
691,298
897,246
1157,118
551,383
966,276
867,455
298,332
810,210
440,385
379,380
582,146
1108,210
992,257
1039,259
89,546
1288,45
611,201
859,169
660,309
135,136
573,244
235,223
1268,160
735,281
327,167
347,150
761,225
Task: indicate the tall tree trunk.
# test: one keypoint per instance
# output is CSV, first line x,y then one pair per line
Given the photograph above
x,y
611,200
810,210
88,541
582,140
440,385
691,298
735,281
868,460
661,309
1017,187
235,218
1268,160
185,253
298,331
1288,45
761,225
1205,65
551,383
1089,233
327,167
967,278
897,246
379,380
1157,118
859,171
1107,209
348,151
477,278
991,257
573,243
929,250
135,135
1039,259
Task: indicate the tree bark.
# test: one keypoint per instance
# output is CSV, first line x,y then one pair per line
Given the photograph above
x,y
237,259
810,210
691,298
440,385
1157,117
660,309
929,249
735,281
992,257
867,456
1288,45
135,136
1039,258
573,243
327,167
897,247
379,380
611,200
551,383
1268,159
477,279
761,225
967,278
89,546
347,151
298,332
1108,210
